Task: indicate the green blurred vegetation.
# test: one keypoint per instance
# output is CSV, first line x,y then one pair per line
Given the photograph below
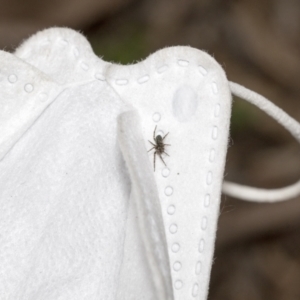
x,y
127,46
243,116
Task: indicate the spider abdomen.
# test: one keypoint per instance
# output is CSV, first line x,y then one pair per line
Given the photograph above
x,y
159,139
159,147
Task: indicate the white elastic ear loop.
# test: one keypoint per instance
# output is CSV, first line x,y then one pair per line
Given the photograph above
x,y
257,194
145,195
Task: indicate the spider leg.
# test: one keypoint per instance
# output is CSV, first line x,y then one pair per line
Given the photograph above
x,y
152,143
167,145
165,136
154,157
162,159
154,132
166,153
151,149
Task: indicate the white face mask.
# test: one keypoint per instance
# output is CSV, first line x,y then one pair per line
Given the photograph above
x,y
83,212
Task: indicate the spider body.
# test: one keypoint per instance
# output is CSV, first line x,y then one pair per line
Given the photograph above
x,y
159,147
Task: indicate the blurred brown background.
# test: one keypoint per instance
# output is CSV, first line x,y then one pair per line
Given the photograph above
x,y
258,44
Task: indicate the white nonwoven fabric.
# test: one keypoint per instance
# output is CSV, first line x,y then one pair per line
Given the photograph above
x,y
71,224
61,195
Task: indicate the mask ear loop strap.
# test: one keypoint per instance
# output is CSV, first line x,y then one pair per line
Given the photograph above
x,y
257,194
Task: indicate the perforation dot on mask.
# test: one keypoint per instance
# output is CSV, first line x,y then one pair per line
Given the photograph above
x,y
156,117
195,290
177,266
165,172
175,247
178,284
209,178
171,210
198,267
160,132
204,223
201,246
100,76
162,69
173,228
28,87
168,191
143,79
202,70
212,155
215,88
182,62
207,200
84,66
12,78
215,132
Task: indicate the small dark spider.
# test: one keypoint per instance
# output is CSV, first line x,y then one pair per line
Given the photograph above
x,y
159,146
